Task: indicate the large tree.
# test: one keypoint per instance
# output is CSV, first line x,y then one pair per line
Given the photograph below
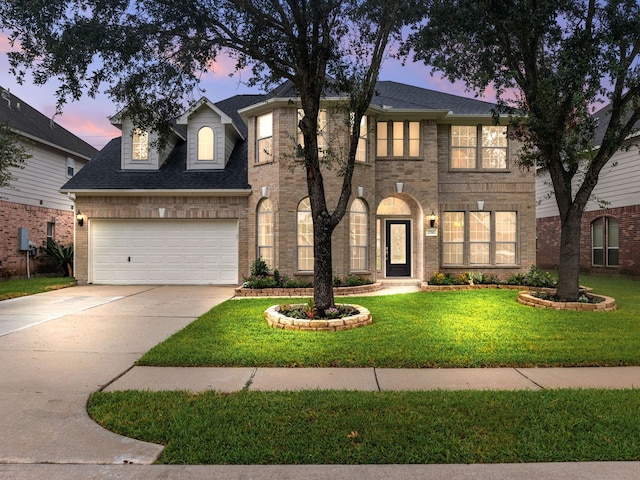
x,y
152,52
551,62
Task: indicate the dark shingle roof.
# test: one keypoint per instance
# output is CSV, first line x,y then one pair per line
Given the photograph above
x,y
602,117
22,117
104,172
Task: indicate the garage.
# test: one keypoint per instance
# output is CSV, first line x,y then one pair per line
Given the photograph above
x,y
172,252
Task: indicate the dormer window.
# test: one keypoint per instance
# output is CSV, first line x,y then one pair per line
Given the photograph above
x,y
206,144
140,145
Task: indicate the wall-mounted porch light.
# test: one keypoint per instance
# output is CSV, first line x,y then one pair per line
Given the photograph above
x,y
80,218
432,219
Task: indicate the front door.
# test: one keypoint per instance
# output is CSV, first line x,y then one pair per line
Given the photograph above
x,y
398,248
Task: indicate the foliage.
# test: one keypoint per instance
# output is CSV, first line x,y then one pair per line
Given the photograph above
x,y
31,286
439,278
469,328
308,311
351,281
535,277
259,268
61,254
13,154
551,63
157,51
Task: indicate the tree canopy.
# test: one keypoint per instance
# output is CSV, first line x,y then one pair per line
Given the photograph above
x,y
13,154
149,56
552,63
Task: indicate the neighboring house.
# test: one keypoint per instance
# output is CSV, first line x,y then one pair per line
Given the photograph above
x,y
436,188
610,228
33,201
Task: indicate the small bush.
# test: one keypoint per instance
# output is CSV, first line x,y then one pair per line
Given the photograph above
x,y
443,279
535,277
259,268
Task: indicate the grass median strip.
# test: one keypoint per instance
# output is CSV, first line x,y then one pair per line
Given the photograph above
x,y
344,427
481,328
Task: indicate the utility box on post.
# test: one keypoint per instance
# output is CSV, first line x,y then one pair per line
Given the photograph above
x,y
23,239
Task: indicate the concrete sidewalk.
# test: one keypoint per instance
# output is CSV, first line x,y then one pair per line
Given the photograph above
x,y
373,379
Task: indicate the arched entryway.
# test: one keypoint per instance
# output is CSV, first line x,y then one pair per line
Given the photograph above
x,y
396,242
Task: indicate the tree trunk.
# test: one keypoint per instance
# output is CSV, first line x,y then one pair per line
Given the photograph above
x,y
322,271
569,264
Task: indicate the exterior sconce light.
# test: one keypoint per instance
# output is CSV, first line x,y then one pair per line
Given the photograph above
x,y
432,219
480,205
80,218
361,192
399,187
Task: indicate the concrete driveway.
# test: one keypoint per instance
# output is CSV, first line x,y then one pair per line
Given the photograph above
x,y
58,347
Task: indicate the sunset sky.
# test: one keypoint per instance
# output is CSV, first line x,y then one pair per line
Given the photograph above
x,y
89,118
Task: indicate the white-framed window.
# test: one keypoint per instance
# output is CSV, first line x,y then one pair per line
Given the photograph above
x,y
506,239
605,242
305,236
479,238
71,167
358,238
140,145
453,238
322,131
206,144
266,228
264,138
479,147
398,139
363,150
51,231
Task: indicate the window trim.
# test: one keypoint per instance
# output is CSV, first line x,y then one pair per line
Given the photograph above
x,y
310,258
354,245
479,150
390,140
263,214
605,223
264,144
71,167
138,145
200,145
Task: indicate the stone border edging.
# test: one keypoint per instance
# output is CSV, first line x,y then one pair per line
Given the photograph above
x,y
305,292
278,320
607,304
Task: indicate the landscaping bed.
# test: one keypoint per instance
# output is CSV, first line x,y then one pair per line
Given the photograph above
x,y
305,292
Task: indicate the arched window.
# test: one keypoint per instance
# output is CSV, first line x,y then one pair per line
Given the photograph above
x,y
605,242
394,206
206,143
305,236
358,244
266,232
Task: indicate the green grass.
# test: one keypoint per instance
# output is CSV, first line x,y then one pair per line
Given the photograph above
x,y
481,328
328,427
20,288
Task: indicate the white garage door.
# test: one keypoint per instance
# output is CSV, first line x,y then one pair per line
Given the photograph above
x,y
162,251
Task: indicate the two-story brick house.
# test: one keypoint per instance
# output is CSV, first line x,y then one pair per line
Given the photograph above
x,y
33,200
435,188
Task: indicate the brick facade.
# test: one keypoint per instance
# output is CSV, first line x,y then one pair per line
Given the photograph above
x,y
548,242
146,207
14,216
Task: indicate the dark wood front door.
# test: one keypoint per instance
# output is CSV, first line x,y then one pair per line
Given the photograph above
x,y
398,248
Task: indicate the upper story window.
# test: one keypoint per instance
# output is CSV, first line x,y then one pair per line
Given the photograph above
x,y
264,138
140,145
399,139
605,239
362,150
322,130
206,144
482,146
71,166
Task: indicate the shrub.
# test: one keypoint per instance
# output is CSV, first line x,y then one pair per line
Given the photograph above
x,y
259,268
61,254
535,277
357,281
442,279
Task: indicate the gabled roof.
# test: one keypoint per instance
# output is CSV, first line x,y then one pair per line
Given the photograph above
x,y
30,123
104,175
205,102
602,117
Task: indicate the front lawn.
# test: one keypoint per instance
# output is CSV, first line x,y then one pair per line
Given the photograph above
x,y
481,328
30,286
327,427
